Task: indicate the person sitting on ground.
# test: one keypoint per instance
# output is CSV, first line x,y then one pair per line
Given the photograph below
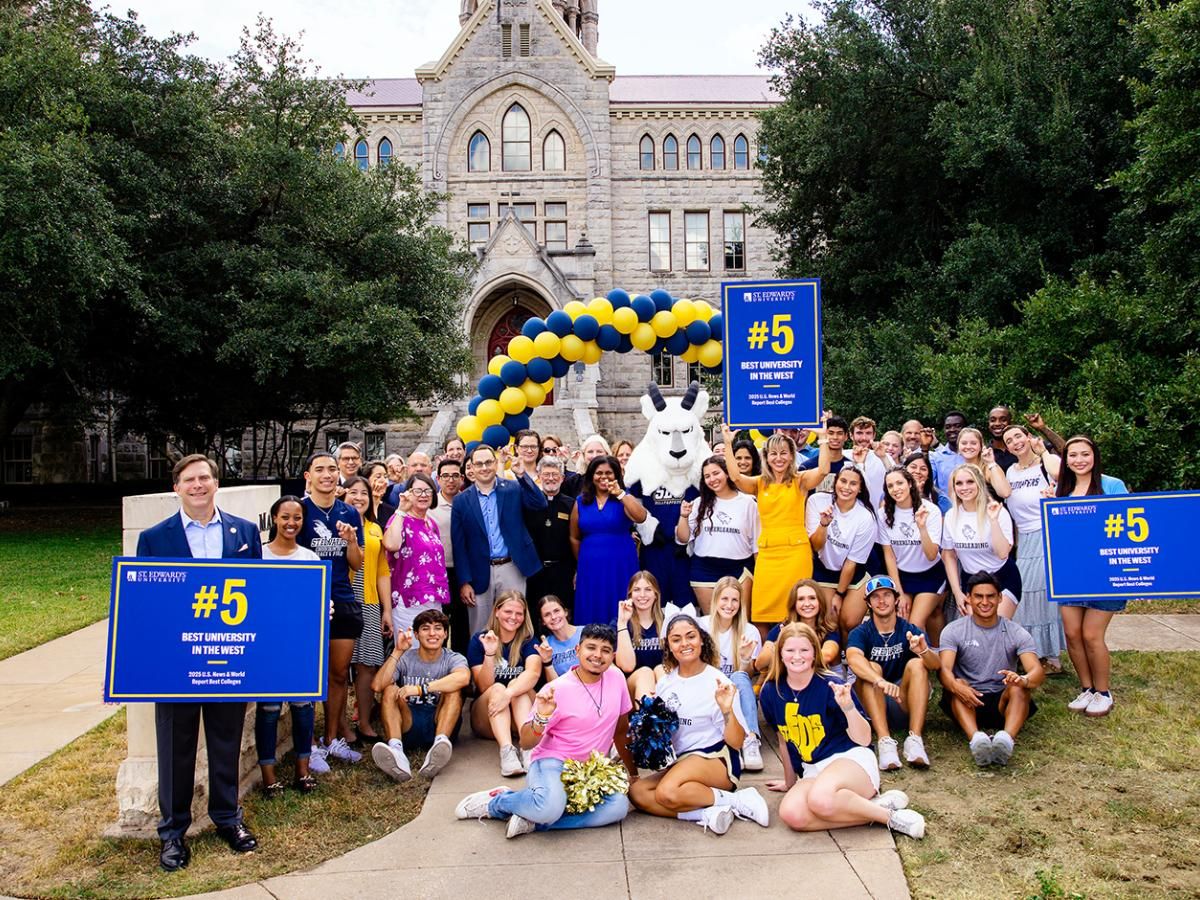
x,y
700,785
982,689
807,604
422,699
506,667
891,660
830,778
639,626
738,643
586,711
560,639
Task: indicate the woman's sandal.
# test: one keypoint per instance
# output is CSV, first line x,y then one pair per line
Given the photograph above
x,y
275,789
305,784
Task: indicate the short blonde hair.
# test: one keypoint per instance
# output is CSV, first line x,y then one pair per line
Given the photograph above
x,y
795,629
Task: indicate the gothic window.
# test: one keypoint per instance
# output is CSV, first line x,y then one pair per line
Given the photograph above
x,y
361,159
716,152
479,153
515,140
339,150
741,152
693,152
385,152
646,153
670,152
554,153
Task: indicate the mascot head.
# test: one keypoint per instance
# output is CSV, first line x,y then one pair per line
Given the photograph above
x,y
673,452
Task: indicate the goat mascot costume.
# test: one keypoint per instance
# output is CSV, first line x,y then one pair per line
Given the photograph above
x,y
663,471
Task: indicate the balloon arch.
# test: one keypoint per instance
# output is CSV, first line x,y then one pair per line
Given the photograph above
x,y
517,382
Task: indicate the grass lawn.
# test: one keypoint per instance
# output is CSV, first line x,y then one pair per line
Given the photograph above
x,y
1090,808
56,565
51,816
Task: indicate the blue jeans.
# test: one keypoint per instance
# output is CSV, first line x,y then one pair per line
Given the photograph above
x,y
266,730
746,701
543,801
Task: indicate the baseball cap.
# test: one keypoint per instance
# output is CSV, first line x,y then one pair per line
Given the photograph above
x,y
880,581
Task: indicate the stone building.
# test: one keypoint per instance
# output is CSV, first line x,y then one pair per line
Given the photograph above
x,y
567,180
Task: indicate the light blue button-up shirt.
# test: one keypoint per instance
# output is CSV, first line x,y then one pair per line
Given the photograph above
x,y
205,541
491,521
944,461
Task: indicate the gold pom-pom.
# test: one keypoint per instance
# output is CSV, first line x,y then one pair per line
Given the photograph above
x,y
589,782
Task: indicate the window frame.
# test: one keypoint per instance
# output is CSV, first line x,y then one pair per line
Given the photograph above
x,y
516,143
688,243
671,157
642,154
744,153
562,145
712,155
362,160
478,133
384,160
726,242
662,363
698,154
651,243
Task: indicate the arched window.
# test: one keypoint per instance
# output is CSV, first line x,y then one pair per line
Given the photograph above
x,y
670,152
385,152
693,152
360,156
514,130
554,153
339,150
479,153
716,152
741,152
646,153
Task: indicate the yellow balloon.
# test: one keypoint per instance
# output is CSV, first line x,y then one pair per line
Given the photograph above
x,y
521,349
470,429
710,355
624,320
664,324
534,395
512,401
592,352
685,312
574,309
572,348
601,309
643,336
548,385
704,312
547,345
691,354
496,364
489,412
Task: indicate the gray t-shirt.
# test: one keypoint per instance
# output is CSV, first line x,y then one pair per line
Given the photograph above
x,y
411,669
983,652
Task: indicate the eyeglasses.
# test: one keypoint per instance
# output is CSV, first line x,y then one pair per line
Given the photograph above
x,y
527,447
421,492
549,450
450,476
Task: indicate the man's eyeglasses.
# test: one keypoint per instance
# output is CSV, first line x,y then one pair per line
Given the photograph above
x,y
450,476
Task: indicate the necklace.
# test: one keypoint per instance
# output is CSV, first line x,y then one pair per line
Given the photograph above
x,y
596,703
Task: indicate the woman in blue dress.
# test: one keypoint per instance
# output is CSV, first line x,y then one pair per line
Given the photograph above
x,y
602,538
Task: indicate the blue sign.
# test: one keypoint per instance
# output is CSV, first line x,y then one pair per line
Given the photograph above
x,y
187,629
773,355
1121,546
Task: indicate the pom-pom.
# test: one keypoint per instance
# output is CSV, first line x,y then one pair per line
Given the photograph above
x,y
650,728
590,782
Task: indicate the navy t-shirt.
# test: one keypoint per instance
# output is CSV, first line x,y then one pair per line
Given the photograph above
x,y
810,720
320,535
648,650
891,652
504,672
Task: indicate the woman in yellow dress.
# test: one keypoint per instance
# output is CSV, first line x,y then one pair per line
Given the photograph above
x,y
784,553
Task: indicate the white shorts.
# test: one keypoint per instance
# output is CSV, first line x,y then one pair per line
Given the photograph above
x,y
863,756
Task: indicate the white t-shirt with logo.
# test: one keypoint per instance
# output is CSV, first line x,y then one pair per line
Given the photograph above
x,y
904,537
729,660
1025,501
731,532
850,534
962,533
694,700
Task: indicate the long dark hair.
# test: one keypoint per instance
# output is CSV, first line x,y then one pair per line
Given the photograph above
x,y
708,497
1066,475
864,493
286,498
708,648
914,494
755,457
929,492
354,480
588,493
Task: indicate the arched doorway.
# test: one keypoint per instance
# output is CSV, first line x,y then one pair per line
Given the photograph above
x,y
500,318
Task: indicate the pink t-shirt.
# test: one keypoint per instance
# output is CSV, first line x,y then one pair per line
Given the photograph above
x,y
576,729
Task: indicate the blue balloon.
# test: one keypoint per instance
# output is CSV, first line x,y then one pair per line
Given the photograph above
x,y
677,343
717,326
711,370
626,344
660,346
496,436
490,387
515,423
560,367
767,432
698,333
586,327
470,448
618,298
608,338
473,404
644,307
540,370
662,299
533,327
513,374
559,322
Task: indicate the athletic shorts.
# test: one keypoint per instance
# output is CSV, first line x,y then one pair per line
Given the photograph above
x,y
863,756
1008,575
987,716
706,571
423,730
931,581
347,622
827,578
730,758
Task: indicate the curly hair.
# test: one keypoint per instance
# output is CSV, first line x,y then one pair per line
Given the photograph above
x,y
708,648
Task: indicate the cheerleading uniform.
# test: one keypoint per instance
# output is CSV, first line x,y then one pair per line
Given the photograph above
x,y
701,730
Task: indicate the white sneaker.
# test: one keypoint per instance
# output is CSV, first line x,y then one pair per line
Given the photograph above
x,y
1099,705
526,759
339,749
892,800
914,751
517,827
316,761
392,760
475,806
1081,703
752,760
510,761
749,804
716,819
1002,748
889,757
908,821
981,749
437,757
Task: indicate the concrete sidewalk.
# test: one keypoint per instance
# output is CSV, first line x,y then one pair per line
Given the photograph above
x,y
1154,633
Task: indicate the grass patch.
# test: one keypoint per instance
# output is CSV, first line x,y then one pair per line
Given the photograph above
x,y
1164,607
57,565
1093,808
51,816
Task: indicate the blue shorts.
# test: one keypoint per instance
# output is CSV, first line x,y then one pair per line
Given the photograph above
x,y
424,726
931,581
706,571
1008,575
824,576
732,759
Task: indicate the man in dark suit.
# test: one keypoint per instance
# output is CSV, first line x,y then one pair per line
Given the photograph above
x,y
492,548
201,531
550,529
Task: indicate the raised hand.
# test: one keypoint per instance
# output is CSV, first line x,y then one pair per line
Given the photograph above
x,y
545,704
827,517
860,454
726,433
545,651
624,613
724,695
746,650
988,455
685,509
917,643
346,532
403,503
993,509
928,436
1037,445
491,643
920,514
844,695
404,639
1035,420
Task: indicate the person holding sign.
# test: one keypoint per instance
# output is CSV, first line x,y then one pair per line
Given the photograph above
x,y
201,531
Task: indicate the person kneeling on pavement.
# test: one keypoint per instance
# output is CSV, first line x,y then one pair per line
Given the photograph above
x,y
891,660
422,697
979,656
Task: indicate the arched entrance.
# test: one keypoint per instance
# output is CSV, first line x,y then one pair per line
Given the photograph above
x,y
499,320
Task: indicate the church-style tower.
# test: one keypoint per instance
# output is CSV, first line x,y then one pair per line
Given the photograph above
x,y
581,16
